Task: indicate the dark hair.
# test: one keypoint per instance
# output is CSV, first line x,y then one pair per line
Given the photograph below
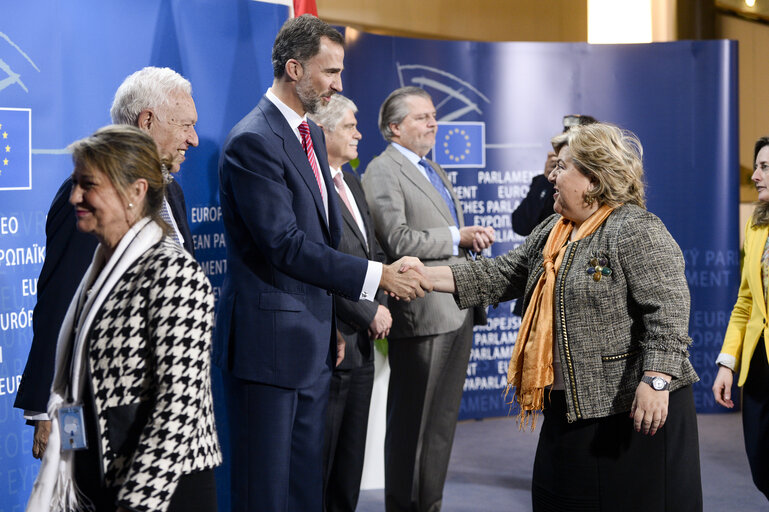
x,y
125,154
394,109
570,120
760,143
299,38
761,212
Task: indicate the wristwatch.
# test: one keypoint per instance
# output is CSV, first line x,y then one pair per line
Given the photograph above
x,y
657,383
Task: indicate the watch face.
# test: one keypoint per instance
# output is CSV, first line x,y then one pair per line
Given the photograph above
x,y
658,383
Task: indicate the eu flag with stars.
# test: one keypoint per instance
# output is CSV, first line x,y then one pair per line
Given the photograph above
x,y
460,145
15,149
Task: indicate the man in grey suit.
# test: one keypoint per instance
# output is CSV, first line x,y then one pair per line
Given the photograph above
x,y
416,213
358,323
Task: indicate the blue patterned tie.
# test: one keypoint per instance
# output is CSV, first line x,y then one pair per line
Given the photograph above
x,y
440,187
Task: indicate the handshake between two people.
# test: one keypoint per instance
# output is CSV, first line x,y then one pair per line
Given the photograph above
x,y
409,278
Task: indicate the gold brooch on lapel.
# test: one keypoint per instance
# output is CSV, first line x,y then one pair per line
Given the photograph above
x,y
598,268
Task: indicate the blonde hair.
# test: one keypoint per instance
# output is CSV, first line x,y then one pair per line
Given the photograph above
x,y
125,154
559,141
612,159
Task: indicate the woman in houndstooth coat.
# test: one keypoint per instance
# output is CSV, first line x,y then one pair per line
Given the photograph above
x,y
133,356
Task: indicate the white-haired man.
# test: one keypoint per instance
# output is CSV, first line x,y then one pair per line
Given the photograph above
x,y
159,101
359,322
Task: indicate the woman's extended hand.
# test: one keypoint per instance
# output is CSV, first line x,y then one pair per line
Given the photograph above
x,y
650,407
722,387
409,262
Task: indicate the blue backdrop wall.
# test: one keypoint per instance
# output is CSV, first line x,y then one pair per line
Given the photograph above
x,y
501,102
63,61
60,63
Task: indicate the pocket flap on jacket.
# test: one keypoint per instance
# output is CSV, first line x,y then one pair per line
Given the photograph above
x,y
281,301
125,424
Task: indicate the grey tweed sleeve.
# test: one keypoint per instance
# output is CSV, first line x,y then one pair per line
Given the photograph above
x,y
494,280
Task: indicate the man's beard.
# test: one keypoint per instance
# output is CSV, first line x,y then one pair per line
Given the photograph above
x,y
309,99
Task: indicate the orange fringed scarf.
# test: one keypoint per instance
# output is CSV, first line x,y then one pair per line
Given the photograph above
x,y
531,365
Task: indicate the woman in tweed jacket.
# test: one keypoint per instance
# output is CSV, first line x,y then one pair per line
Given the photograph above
x,y
134,350
616,317
744,347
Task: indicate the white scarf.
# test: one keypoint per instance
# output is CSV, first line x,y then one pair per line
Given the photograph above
x,y
54,489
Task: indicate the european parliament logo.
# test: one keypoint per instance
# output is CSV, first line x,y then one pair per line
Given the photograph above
x,y
15,148
460,145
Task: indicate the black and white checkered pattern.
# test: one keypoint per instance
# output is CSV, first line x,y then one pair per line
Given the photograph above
x,y
150,344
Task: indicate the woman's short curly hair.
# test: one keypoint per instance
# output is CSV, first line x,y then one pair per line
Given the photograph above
x,y
612,158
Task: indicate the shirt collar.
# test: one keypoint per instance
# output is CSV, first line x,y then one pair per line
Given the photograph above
x,y
410,155
293,119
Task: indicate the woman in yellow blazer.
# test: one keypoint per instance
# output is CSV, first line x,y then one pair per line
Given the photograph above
x,y
744,348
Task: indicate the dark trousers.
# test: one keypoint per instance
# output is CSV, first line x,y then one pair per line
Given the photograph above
x,y
345,438
276,438
755,418
426,381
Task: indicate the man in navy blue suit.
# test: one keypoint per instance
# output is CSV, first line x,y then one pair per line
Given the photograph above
x,y
275,330
158,101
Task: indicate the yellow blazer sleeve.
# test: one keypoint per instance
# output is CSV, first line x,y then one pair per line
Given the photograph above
x,y
747,319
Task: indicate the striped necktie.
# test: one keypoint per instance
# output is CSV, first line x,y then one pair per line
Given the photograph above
x,y
304,131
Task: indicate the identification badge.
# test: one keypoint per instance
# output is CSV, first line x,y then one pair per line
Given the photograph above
x,y
72,428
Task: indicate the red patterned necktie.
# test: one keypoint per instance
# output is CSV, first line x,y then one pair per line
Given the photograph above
x,y
304,131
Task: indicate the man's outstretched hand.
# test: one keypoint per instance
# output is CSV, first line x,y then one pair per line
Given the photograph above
x,y
405,285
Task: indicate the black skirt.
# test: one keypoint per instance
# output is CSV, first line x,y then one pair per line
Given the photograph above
x,y
605,465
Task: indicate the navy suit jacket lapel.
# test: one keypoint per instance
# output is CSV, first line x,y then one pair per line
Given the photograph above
x,y
298,157
334,213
